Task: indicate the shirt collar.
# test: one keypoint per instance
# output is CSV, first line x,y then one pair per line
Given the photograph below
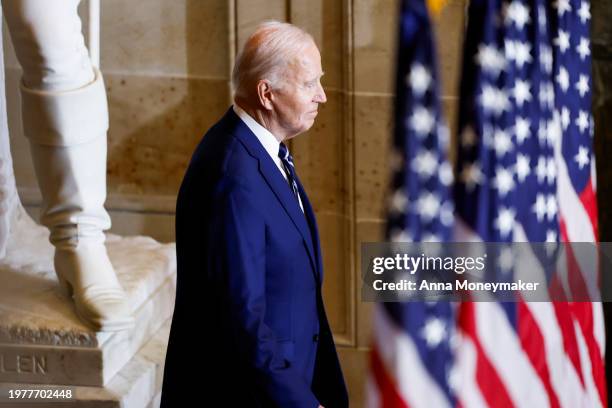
x,y
265,137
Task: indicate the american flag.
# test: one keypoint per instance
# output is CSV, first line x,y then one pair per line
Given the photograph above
x,y
412,356
525,173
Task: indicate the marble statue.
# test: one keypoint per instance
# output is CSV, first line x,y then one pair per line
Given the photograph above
x,y
65,118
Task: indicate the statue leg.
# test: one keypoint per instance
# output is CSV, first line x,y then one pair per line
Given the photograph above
x,y
65,118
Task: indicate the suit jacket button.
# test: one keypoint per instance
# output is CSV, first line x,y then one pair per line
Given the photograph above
x,y
315,338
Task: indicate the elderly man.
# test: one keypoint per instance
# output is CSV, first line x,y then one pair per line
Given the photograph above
x,y
249,260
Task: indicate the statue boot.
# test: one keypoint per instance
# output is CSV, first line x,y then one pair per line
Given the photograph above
x,y
67,134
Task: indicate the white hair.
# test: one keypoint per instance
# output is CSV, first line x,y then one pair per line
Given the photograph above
x,y
266,54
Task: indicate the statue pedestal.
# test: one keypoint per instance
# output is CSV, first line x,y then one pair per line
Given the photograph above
x,y
42,340
136,385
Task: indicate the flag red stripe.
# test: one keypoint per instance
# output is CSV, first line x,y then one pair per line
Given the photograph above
x,y
577,285
584,315
491,386
390,397
570,344
588,198
533,344
557,292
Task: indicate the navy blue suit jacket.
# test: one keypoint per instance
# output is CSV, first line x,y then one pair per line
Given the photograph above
x,y
249,326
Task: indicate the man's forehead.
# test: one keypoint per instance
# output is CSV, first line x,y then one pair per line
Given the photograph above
x,y
309,63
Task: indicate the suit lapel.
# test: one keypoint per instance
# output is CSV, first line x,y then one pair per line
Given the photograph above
x,y
277,184
312,222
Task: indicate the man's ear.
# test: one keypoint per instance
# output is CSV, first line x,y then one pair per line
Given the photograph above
x,y
264,94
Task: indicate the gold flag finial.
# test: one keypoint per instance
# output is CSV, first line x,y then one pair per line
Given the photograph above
x,y
435,6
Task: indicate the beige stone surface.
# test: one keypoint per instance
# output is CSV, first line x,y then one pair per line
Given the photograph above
x,y
375,33
449,27
155,124
450,105
355,364
323,20
160,227
373,140
335,233
165,38
249,13
370,230
321,157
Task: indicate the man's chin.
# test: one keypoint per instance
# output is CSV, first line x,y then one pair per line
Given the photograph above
x,y
304,129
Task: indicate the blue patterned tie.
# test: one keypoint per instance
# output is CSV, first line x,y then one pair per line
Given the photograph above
x,y
287,160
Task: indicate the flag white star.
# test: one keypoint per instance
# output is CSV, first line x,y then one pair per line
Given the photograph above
x,y
443,135
434,331
399,235
518,14
582,157
490,59
521,92
583,85
399,202
505,260
541,169
504,181
494,100
425,164
503,143
546,59
522,129
551,207
419,79
553,131
551,171
505,221
471,175
447,214
584,12
582,121
542,131
547,94
542,17
522,167
584,48
428,206
563,6
430,237
510,49
522,53
539,207
562,41
563,79
446,174
422,121
551,238
565,117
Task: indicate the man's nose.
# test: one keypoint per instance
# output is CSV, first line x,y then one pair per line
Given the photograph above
x,y
320,97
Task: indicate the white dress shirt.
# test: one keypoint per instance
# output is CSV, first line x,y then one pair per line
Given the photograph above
x,y
267,140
